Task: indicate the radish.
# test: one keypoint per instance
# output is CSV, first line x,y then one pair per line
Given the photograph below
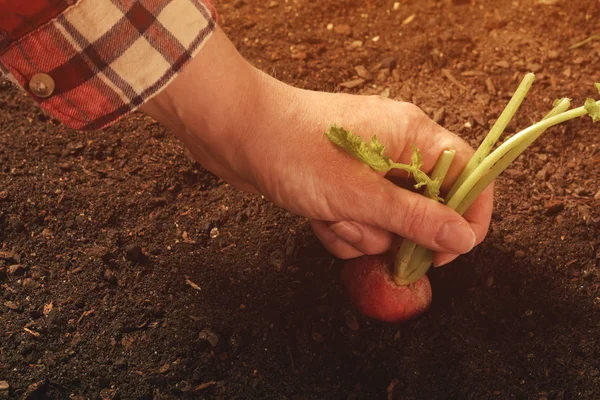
x,y
399,290
369,281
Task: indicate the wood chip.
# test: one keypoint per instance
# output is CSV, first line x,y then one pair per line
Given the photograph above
x,y
85,314
47,308
204,386
32,333
409,20
12,305
192,284
353,83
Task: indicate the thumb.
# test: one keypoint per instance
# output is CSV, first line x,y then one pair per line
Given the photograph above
x,y
410,215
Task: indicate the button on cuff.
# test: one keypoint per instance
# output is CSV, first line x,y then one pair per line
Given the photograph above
x,y
42,85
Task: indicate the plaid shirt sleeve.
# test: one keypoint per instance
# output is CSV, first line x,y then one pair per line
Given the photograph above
x,y
89,62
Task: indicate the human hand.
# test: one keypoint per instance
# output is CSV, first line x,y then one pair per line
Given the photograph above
x,y
267,137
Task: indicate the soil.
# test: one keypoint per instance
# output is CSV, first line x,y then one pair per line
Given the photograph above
x,y
127,271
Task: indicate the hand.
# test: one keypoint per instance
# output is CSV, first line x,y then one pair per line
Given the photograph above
x,y
266,137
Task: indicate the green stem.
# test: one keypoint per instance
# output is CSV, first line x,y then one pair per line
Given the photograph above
x,y
524,136
497,130
505,161
403,267
421,257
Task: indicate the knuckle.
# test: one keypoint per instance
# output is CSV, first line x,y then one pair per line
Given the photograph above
x,y
414,216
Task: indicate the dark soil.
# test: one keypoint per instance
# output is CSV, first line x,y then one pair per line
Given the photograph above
x,y
144,276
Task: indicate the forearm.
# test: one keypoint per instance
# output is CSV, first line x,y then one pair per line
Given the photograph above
x,y
216,94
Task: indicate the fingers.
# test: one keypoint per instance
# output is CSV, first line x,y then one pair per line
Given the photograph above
x,y
348,239
479,216
431,140
409,215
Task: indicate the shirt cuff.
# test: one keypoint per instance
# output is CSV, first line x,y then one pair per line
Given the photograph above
x,y
100,59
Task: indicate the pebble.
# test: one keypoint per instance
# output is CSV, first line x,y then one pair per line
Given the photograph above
x,y
209,336
4,385
396,6
134,253
109,276
343,29
214,233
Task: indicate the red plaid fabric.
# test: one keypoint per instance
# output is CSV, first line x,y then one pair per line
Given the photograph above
x,y
105,57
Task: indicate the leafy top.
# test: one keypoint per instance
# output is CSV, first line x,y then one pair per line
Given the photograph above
x,y
371,153
593,109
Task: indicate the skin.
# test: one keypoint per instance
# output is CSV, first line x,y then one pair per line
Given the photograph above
x,y
266,137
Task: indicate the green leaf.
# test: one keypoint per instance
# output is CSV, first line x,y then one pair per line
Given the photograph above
x,y
593,109
370,153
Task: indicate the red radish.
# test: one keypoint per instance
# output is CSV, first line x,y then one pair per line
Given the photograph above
x,y
374,292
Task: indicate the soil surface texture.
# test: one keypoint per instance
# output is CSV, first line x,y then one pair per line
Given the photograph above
x,y
129,272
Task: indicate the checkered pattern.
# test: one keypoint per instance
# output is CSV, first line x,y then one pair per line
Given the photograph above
x,y
106,57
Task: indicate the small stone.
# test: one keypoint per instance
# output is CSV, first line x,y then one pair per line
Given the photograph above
x,y
353,83
396,6
356,44
214,233
4,385
329,27
209,336
16,270
343,29
109,276
134,253
362,72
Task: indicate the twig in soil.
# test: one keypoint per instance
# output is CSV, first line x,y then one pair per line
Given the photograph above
x,y
584,42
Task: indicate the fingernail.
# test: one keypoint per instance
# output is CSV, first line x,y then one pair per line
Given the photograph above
x,y
348,231
455,237
446,259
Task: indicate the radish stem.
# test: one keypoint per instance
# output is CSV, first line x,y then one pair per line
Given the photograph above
x,y
405,254
492,137
505,161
